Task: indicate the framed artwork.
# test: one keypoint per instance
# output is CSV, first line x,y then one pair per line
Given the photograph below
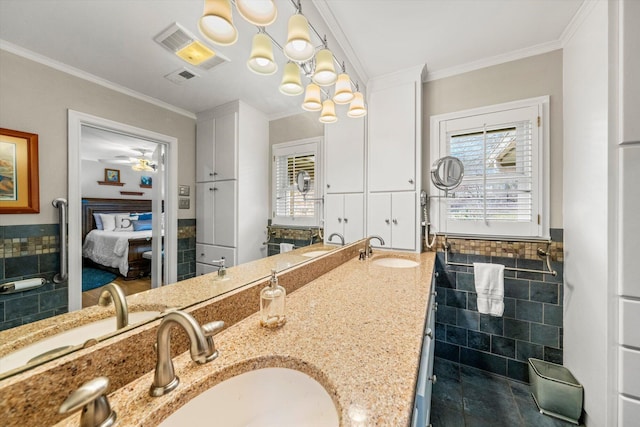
x,y
145,181
19,180
112,175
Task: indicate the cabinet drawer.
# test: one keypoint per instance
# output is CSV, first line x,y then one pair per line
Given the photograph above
x,y
629,381
629,321
207,253
628,411
205,269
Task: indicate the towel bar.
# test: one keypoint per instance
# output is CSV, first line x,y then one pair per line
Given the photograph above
x,y
541,253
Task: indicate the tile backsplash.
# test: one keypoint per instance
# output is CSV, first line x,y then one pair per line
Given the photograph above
x,y
531,325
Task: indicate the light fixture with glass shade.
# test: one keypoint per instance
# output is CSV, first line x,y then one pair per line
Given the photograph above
x,y
298,47
291,84
325,72
343,93
261,60
258,12
328,114
143,165
312,100
216,22
357,108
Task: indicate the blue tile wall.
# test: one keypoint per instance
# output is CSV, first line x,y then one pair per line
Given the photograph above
x,y
531,325
186,249
30,251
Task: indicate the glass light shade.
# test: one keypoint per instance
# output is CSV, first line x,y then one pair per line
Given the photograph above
x,y
298,47
312,100
216,22
357,108
291,84
257,12
261,59
328,114
343,93
325,74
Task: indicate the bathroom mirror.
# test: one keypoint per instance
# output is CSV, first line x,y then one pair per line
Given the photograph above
x,y
447,173
303,181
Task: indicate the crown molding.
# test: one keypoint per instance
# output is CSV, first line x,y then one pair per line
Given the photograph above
x,y
576,21
494,60
329,18
44,60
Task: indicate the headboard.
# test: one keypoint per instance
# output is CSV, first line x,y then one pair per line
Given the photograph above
x,y
91,206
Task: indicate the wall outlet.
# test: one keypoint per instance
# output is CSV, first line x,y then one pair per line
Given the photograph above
x,y
183,203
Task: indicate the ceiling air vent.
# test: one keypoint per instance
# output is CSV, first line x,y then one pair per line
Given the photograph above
x,y
176,37
181,75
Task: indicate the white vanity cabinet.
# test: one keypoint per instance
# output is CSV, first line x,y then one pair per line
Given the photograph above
x,y
232,189
392,216
394,158
216,135
426,378
344,156
344,214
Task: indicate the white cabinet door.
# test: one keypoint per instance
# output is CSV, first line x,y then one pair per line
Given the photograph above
x,y
379,217
205,142
344,154
215,209
226,146
224,213
353,217
333,216
403,220
204,213
392,138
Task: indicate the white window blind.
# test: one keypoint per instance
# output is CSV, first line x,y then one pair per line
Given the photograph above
x,y
290,206
502,192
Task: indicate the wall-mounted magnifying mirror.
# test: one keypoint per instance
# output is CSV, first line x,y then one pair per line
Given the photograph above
x,y
303,180
447,173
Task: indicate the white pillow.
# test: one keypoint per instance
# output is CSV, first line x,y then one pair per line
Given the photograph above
x,y
108,222
123,222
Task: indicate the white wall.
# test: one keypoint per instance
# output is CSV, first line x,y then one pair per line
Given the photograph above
x,y
35,98
586,198
92,172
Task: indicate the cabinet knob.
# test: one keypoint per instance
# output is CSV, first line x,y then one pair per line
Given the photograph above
x,y
435,306
202,254
386,220
328,185
410,181
437,274
346,220
429,333
213,188
433,379
340,220
395,221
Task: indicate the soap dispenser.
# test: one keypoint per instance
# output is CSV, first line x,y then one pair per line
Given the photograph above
x,y
272,304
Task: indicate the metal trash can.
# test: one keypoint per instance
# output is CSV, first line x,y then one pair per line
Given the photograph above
x,y
555,390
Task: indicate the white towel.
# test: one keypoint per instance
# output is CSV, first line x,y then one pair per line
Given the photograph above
x,y
489,280
286,247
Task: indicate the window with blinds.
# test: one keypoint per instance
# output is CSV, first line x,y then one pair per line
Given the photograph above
x,y
501,193
290,206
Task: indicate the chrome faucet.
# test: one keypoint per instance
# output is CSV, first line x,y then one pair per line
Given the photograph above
x,y
203,349
368,250
115,293
222,270
336,234
91,397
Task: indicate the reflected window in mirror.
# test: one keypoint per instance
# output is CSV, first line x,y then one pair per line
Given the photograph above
x,y
295,162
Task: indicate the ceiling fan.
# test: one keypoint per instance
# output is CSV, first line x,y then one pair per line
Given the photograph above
x,y
138,163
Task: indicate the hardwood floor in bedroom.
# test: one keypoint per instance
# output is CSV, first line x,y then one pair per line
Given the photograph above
x,y
129,287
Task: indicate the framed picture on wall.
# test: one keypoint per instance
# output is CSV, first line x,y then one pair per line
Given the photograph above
x,y
145,181
112,175
19,180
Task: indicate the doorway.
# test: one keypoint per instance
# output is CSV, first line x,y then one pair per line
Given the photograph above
x,y
163,251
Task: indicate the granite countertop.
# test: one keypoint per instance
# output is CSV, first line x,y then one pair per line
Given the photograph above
x,y
179,294
357,330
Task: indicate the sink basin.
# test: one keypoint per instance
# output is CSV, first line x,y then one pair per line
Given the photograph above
x,y
266,397
395,262
312,254
67,339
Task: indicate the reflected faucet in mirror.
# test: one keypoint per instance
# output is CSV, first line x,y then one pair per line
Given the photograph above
x,y
115,293
337,235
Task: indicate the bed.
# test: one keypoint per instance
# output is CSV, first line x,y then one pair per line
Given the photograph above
x,y
116,251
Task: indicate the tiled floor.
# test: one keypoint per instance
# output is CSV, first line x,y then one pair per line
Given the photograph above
x,y
465,397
